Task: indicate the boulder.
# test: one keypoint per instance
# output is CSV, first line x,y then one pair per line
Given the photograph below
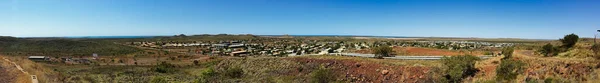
x,y
385,72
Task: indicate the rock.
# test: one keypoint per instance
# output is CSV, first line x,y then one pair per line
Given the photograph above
x,y
357,65
385,72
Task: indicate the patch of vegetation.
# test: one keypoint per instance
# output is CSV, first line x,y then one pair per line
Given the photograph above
x,y
196,62
234,72
508,52
509,69
549,50
164,67
322,75
57,47
382,51
459,67
159,80
569,40
206,75
555,80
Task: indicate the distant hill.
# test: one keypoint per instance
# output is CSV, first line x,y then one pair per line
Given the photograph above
x,y
61,47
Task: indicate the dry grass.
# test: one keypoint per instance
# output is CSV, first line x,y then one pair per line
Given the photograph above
x,y
10,73
391,62
43,73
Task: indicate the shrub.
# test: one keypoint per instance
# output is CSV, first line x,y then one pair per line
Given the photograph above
x,y
205,75
507,52
196,62
549,50
569,40
382,51
488,53
554,80
459,67
164,67
158,80
322,75
509,69
234,72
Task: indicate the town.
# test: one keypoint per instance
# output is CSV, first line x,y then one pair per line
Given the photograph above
x,y
294,47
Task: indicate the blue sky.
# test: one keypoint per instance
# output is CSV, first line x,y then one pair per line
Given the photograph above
x,y
536,19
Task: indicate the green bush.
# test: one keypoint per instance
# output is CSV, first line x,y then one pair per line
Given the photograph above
x,y
164,67
549,50
508,52
509,69
322,75
459,67
234,72
206,75
569,40
382,51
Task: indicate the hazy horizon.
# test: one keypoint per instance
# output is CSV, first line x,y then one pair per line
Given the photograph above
x,y
531,19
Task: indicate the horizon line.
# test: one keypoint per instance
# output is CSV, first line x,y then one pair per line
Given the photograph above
x,y
301,35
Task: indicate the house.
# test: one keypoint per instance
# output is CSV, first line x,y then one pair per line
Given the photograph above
x,y
239,53
39,58
236,45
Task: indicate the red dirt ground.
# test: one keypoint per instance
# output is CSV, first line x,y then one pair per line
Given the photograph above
x,y
368,72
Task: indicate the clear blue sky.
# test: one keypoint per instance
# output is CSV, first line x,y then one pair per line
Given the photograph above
x,y
538,19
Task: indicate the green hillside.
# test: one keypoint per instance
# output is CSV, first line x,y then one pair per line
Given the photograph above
x,y
62,47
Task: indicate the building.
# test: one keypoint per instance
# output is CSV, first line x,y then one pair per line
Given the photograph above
x,y
239,53
39,58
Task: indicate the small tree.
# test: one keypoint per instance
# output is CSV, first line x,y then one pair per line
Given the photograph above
x,y
509,69
569,40
548,50
507,52
382,51
459,67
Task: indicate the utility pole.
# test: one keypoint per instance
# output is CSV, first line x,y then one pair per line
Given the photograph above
x,y
596,34
594,46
